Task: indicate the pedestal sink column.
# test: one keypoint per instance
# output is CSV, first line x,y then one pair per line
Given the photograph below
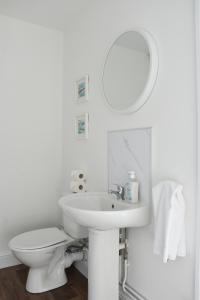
x,y
103,265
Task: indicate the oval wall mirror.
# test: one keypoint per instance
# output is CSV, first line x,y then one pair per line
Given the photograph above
x,y
130,71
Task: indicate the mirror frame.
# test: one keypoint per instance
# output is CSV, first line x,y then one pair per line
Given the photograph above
x,y
152,76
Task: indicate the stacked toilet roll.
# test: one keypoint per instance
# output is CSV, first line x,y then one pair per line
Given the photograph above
x,y
78,181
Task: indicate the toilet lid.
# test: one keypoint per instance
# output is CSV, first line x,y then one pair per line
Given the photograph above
x,y
37,239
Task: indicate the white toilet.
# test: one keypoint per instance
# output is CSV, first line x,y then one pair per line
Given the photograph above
x,y
43,251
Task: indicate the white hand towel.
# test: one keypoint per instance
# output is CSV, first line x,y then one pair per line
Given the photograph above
x,y
169,220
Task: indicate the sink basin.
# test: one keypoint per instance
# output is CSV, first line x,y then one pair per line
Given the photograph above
x,y
103,215
103,211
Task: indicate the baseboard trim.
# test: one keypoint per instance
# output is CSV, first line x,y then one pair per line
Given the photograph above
x,y
82,268
7,260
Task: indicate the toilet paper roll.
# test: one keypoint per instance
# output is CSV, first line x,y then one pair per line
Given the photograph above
x,y
78,186
78,175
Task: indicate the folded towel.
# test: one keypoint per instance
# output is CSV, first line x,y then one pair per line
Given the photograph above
x,y
169,220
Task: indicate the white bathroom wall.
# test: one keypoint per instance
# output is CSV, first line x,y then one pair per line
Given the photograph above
x,y
30,127
170,112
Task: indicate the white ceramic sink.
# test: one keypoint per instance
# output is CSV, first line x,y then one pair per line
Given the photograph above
x,y
103,215
103,211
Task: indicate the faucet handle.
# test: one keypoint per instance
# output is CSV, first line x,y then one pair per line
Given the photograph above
x,y
119,187
120,190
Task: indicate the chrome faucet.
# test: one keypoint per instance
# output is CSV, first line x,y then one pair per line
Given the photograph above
x,y
119,193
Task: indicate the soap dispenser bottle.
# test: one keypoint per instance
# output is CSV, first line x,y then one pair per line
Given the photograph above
x,y
132,188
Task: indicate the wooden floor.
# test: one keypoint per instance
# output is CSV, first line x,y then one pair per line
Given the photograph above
x,y
13,280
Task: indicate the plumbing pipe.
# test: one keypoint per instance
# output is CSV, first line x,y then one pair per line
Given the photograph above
x,y
124,282
130,296
132,293
122,246
72,257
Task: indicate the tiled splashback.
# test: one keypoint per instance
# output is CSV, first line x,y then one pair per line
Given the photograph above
x,y
130,150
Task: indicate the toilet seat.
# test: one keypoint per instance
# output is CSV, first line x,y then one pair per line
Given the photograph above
x,y
40,239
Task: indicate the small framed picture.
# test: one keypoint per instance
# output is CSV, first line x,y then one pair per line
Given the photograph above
x,y
82,126
82,89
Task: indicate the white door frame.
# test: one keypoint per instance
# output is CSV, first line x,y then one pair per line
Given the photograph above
x,y
197,260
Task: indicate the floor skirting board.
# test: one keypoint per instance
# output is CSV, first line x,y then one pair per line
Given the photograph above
x,y
7,260
82,268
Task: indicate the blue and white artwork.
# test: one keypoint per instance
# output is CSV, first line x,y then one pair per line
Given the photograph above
x,y
82,89
82,126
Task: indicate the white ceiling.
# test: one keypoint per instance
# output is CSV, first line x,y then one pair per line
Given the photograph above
x,y
49,13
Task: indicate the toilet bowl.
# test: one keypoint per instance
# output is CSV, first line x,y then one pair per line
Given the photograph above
x,y
43,251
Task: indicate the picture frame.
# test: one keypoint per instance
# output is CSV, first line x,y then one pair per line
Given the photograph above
x,y
82,89
82,126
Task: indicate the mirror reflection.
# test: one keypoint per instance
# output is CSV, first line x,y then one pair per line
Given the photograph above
x,y
126,70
